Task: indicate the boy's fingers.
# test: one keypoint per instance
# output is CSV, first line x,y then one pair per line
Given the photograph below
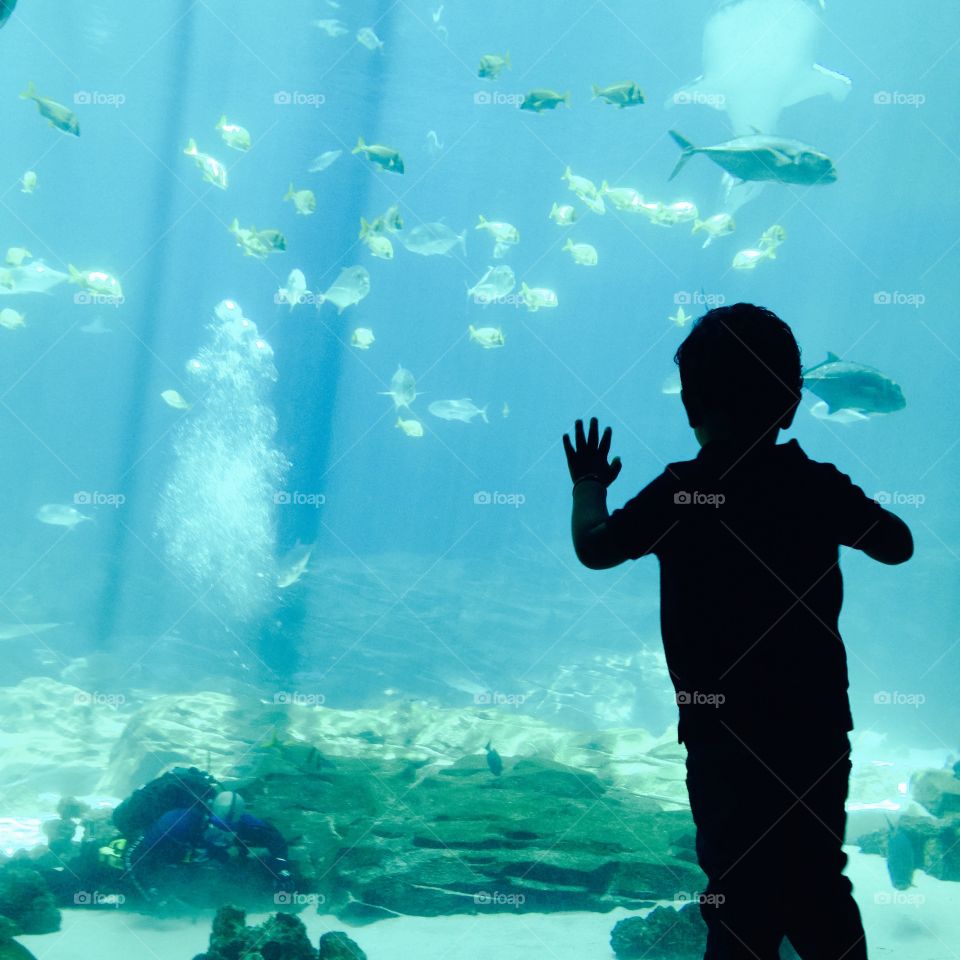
x,y
592,436
578,434
605,442
567,446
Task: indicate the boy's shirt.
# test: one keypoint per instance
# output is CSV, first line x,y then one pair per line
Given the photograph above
x,y
750,586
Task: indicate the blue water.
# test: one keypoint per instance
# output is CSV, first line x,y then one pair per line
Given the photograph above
x,y
82,412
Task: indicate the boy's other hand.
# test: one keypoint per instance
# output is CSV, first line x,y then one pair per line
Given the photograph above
x,y
589,456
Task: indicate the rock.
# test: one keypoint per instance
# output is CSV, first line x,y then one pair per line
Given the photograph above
x,y
280,937
11,950
26,901
936,790
935,843
336,945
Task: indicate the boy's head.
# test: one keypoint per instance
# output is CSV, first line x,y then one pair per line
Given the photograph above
x,y
740,374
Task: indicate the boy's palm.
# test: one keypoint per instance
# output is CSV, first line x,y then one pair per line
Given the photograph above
x,y
589,456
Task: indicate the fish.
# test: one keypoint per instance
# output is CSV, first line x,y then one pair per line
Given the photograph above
x,y
853,386
6,9
293,565
680,318
29,182
433,239
494,761
537,297
495,284
758,58
403,388
377,153
719,225
759,157
10,319
60,515
97,282
464,410
748,259
505,234
332,28
12,631
60,117
563,215
350,287
671,385
173,399
626,94
369,39
669,214
622,198
213,170
305,201
233,134
16,256
295,291
487,337
34,277
412,428
257,243
379,245
492,65
325,159
772,238
585,189
822,412
901,857
392,219
543,99
362,338
584,254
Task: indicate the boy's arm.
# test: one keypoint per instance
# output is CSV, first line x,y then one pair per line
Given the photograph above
x,y
887,540
592,542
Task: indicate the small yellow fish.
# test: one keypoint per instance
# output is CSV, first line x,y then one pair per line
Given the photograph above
x,y
537,297
772,237
505,233
543,99
304,200
377,153
97,282
233,134
492,65
626,94
487,337
622,198
719,225
748,259
583,253
173,399
61,117
412,428
563,216
362,338
680,318
10,319
213,170
28,182
16,255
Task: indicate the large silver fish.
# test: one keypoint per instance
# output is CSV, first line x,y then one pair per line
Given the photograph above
x,y
759,157
853,386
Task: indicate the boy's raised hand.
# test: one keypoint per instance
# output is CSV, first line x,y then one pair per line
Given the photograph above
x,y
589,456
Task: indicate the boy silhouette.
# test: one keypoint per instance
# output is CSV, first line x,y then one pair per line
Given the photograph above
x,y
748,535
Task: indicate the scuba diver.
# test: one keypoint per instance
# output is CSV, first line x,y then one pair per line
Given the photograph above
x,y
186,842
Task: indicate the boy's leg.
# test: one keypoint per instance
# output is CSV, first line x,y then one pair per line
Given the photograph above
x,y
732,795
822,918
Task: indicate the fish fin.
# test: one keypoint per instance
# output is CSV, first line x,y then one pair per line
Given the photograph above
x,y
360,147
487,747
289,192
697,225
816,82
567,174
222,122
75,275
566,98
604,186
553,209
832,357
568,245
191,150
483,413
688,150
506,60
482,221
31,92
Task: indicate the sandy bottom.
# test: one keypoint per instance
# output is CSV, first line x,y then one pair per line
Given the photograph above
x,y
919,924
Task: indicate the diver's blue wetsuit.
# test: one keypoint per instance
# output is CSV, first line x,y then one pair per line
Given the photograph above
x,y
183,834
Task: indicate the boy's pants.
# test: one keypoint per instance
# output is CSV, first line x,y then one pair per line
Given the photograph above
x,y
770,823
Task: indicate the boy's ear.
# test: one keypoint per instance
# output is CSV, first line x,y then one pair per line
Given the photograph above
x,y
789,415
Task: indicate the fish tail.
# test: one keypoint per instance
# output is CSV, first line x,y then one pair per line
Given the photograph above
x,y
483,413
30,93
75,275
487,747
688,150
567,174
566,98
596,91
360,147
568,245
364,228
697,225
481,222
506,60
289,192
191,150
222,122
